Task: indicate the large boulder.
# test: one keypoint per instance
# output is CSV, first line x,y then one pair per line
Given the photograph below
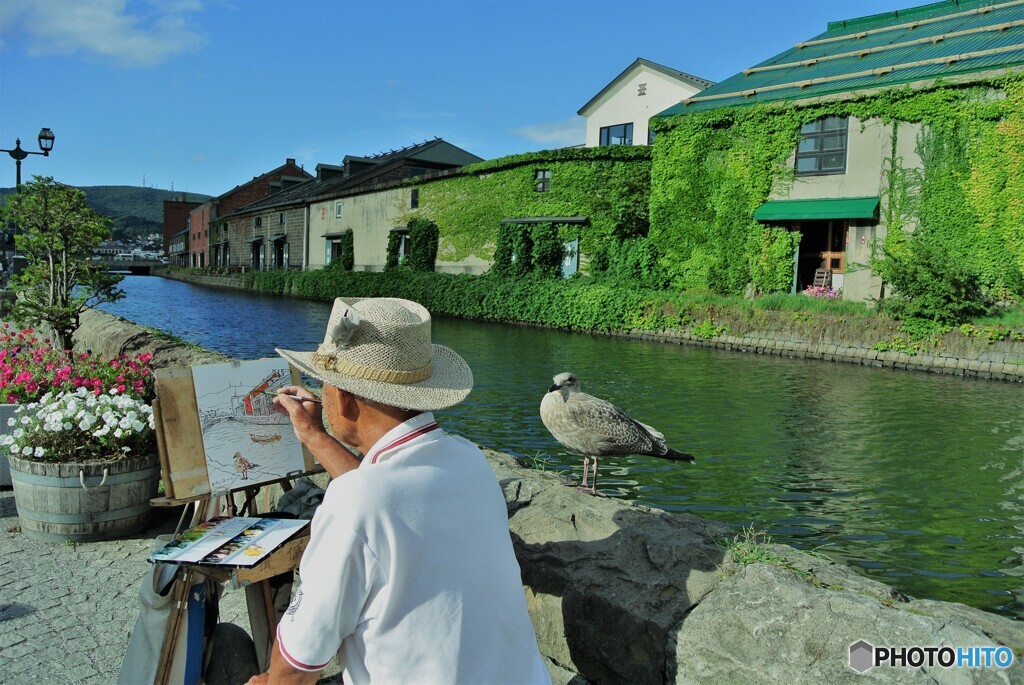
x,y
621,593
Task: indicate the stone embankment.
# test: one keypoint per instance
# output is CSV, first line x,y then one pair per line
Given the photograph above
x,y
791,334
621,593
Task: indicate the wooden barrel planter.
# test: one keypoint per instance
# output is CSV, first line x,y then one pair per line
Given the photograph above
x,y
6,412
84,502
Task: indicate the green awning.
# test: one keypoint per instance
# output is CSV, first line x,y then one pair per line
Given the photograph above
x,y
832,208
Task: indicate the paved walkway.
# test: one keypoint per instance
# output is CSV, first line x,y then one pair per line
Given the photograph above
x,y
67,610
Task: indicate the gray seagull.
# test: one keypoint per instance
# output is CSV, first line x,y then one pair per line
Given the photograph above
x,y
595,428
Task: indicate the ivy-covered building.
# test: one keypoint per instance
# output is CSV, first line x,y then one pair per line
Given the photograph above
x,y
792,171
588,198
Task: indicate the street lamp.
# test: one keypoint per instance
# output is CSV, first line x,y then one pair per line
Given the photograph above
x,y
46,139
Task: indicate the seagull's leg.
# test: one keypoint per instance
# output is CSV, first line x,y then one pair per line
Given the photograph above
x,y
586,470
593,484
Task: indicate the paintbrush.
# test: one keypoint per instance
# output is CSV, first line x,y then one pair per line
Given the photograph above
x,y
294,397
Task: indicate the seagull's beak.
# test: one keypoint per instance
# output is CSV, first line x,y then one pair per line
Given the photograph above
x,y
554,387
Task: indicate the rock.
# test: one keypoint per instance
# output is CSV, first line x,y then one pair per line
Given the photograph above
x,y
621,593
764,624
608,581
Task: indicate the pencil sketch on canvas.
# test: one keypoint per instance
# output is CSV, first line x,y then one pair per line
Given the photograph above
x,y
245,440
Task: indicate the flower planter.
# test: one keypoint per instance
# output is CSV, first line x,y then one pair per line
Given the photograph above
x,y
84,502
6,412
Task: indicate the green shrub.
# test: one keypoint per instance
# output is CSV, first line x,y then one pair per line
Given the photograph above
x,y
930,283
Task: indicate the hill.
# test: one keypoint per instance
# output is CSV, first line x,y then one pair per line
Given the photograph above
x,y
137,211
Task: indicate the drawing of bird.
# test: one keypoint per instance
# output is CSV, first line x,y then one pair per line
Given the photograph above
x,y
242,465
596,428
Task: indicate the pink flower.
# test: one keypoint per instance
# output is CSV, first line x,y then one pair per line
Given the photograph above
x,y
23,377
12,398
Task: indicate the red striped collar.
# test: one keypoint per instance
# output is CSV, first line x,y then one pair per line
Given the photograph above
x,y
400,435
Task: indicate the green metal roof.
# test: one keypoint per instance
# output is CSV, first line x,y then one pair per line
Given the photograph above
x,y
833,208
942,39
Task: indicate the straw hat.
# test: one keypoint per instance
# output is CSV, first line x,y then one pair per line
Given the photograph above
x,y
379,348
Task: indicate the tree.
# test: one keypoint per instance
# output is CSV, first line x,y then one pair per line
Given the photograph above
x,y
56,232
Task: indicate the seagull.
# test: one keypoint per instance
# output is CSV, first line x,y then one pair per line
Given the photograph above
x,y
242,465
596,428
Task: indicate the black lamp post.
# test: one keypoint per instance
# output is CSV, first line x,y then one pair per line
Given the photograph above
x,y
46,139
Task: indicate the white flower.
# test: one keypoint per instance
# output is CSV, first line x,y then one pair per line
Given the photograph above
x,y
39,452
18,432
11,421
15,449
26,451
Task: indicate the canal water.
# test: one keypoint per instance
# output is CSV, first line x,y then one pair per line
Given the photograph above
x,y
914,479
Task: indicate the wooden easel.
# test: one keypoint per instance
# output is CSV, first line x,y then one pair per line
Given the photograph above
x,y
186,482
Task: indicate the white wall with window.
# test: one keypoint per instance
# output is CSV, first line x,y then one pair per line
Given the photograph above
x,y
843,158
619,113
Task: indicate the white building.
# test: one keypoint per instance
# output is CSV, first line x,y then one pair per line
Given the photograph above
x,y
618,114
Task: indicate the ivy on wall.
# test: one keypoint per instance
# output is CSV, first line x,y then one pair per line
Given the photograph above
x,y
423,239
711,170
609,185
346,249
524,249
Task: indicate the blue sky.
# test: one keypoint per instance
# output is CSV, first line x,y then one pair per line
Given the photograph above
x,y
202,95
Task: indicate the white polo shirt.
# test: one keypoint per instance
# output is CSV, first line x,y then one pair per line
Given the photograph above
x,y
410,570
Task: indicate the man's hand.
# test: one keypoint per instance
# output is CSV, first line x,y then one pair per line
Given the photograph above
x,y
307,417
308,423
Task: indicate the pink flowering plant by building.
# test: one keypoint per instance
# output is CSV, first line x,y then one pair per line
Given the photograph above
x,y
823,291
31,367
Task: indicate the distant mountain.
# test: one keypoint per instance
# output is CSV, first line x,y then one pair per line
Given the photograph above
x,y
136,211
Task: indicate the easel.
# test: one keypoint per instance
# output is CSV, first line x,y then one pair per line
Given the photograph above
x,y
186,482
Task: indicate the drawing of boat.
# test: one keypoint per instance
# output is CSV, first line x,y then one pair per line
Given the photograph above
x,y
259,437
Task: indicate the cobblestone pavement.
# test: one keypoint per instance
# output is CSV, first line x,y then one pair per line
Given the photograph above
x,y
67,610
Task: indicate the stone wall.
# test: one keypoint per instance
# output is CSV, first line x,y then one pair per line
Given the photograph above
x,y
108,335
621,593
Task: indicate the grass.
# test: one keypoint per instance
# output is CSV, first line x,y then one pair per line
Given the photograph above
x,y
753,546
1008,317
780,302
540,462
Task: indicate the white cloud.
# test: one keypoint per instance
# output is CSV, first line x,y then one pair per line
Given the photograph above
x,y
143,35
559,133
